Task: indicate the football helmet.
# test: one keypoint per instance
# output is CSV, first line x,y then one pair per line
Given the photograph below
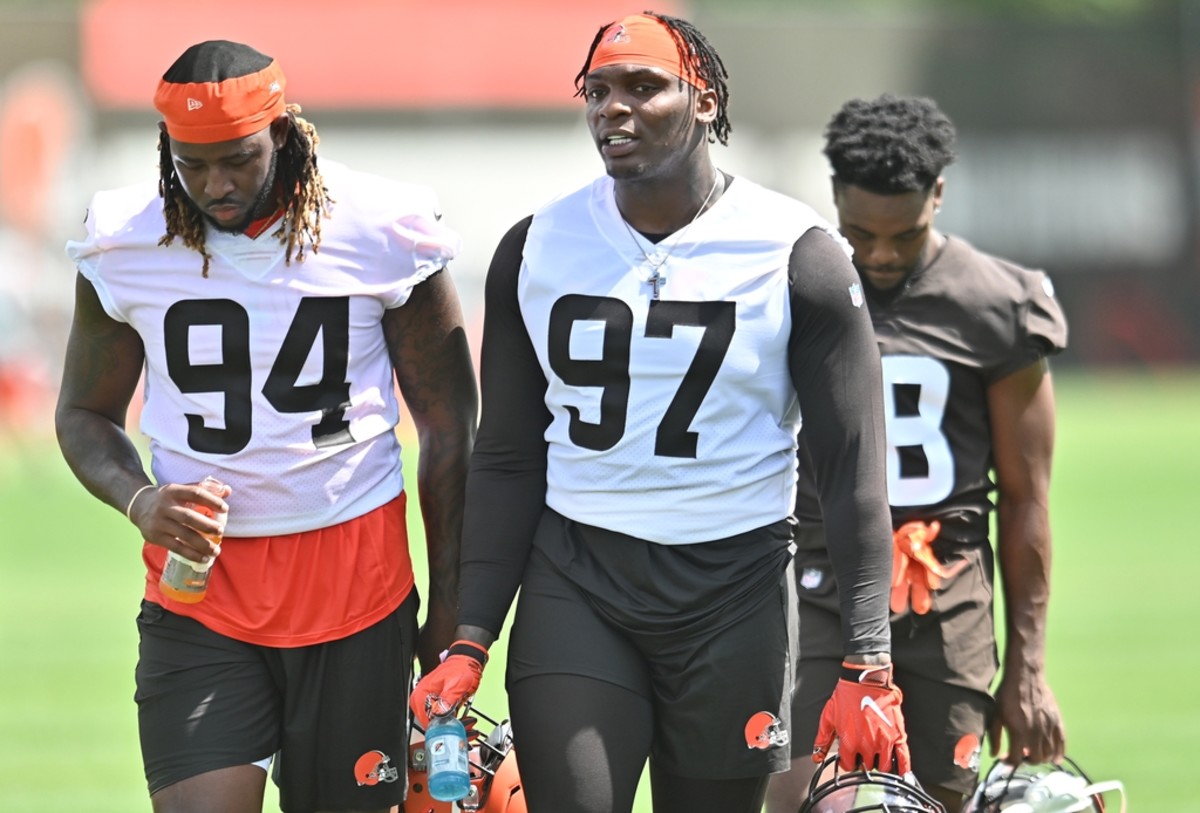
x,y
1040,788
495,782
835,791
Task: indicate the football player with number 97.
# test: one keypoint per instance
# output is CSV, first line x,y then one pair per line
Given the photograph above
x,y
650,343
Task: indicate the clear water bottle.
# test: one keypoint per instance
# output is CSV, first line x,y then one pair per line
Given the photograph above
x,y
446,752
182,579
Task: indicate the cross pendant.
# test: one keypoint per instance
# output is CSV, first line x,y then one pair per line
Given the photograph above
x,y
655,279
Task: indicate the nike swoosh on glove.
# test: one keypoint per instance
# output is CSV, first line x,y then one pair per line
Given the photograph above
x,y
455,680
916,571
864,715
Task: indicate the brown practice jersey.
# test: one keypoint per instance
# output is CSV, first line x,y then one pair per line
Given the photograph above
x,y
960,324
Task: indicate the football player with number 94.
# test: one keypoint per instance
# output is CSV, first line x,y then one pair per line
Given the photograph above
x,y
273,303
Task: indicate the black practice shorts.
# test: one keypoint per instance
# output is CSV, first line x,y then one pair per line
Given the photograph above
x,y
702,631
334,715
944,663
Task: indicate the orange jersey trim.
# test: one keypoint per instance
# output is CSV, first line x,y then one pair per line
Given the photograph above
x,y
257,227
305,588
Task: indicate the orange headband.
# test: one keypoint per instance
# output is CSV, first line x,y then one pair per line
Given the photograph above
x,y
207,112
640,39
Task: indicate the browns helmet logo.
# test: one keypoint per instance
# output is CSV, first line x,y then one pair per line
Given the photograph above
x,y
966,753
374,767
617,34
763,731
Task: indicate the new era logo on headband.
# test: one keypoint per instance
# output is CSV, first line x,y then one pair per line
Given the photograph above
x,y
222,91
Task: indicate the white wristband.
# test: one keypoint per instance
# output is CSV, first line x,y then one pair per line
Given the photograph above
x,y
136,494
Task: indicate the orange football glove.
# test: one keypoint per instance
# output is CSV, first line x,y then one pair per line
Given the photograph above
x,y
916,572
864,715
453,681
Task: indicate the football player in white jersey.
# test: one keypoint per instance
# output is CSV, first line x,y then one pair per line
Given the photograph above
x,y
273,306
650,343
964,338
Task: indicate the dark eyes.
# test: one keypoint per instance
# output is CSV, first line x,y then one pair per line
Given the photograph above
x,y
900,238
190,166
641,89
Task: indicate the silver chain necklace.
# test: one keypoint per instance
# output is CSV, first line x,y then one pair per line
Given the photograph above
x,y
657,279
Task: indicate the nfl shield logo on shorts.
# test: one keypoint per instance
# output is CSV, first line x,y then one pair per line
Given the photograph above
x,y
856,295
811,578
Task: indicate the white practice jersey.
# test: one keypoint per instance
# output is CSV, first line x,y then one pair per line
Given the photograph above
x,y
273,377
682,407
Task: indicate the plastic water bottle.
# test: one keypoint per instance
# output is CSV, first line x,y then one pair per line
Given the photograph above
x,y
182,579
446,751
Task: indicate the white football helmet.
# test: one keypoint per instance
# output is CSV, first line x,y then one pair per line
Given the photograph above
x,y
1040,788
864,790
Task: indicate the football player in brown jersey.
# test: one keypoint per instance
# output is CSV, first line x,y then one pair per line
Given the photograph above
x,y
964,339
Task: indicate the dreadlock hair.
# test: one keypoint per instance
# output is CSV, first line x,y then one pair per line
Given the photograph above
x,y
303,196
890,145
694,49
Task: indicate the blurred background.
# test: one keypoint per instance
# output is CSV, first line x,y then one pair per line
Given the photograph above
x,y
1079,153
1078,122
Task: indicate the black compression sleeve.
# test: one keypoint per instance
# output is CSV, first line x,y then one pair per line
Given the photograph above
x,y
506,486
836,370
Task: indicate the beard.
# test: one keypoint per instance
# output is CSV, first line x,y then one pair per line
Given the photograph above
x,y
263,205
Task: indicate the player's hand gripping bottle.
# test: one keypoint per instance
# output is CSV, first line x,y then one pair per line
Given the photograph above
x,y
185,580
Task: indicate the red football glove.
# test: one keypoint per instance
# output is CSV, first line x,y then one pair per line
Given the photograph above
x,y
453,681
916,572
864,715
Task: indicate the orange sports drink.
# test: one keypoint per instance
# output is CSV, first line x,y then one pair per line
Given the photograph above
x,y
182,579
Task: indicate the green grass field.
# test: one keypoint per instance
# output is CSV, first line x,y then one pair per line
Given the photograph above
x,y
1122,633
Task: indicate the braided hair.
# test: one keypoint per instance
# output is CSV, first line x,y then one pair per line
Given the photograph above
x,y
303,197
694,49
890,145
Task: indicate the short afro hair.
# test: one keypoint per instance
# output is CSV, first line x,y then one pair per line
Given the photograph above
x,y
890,145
